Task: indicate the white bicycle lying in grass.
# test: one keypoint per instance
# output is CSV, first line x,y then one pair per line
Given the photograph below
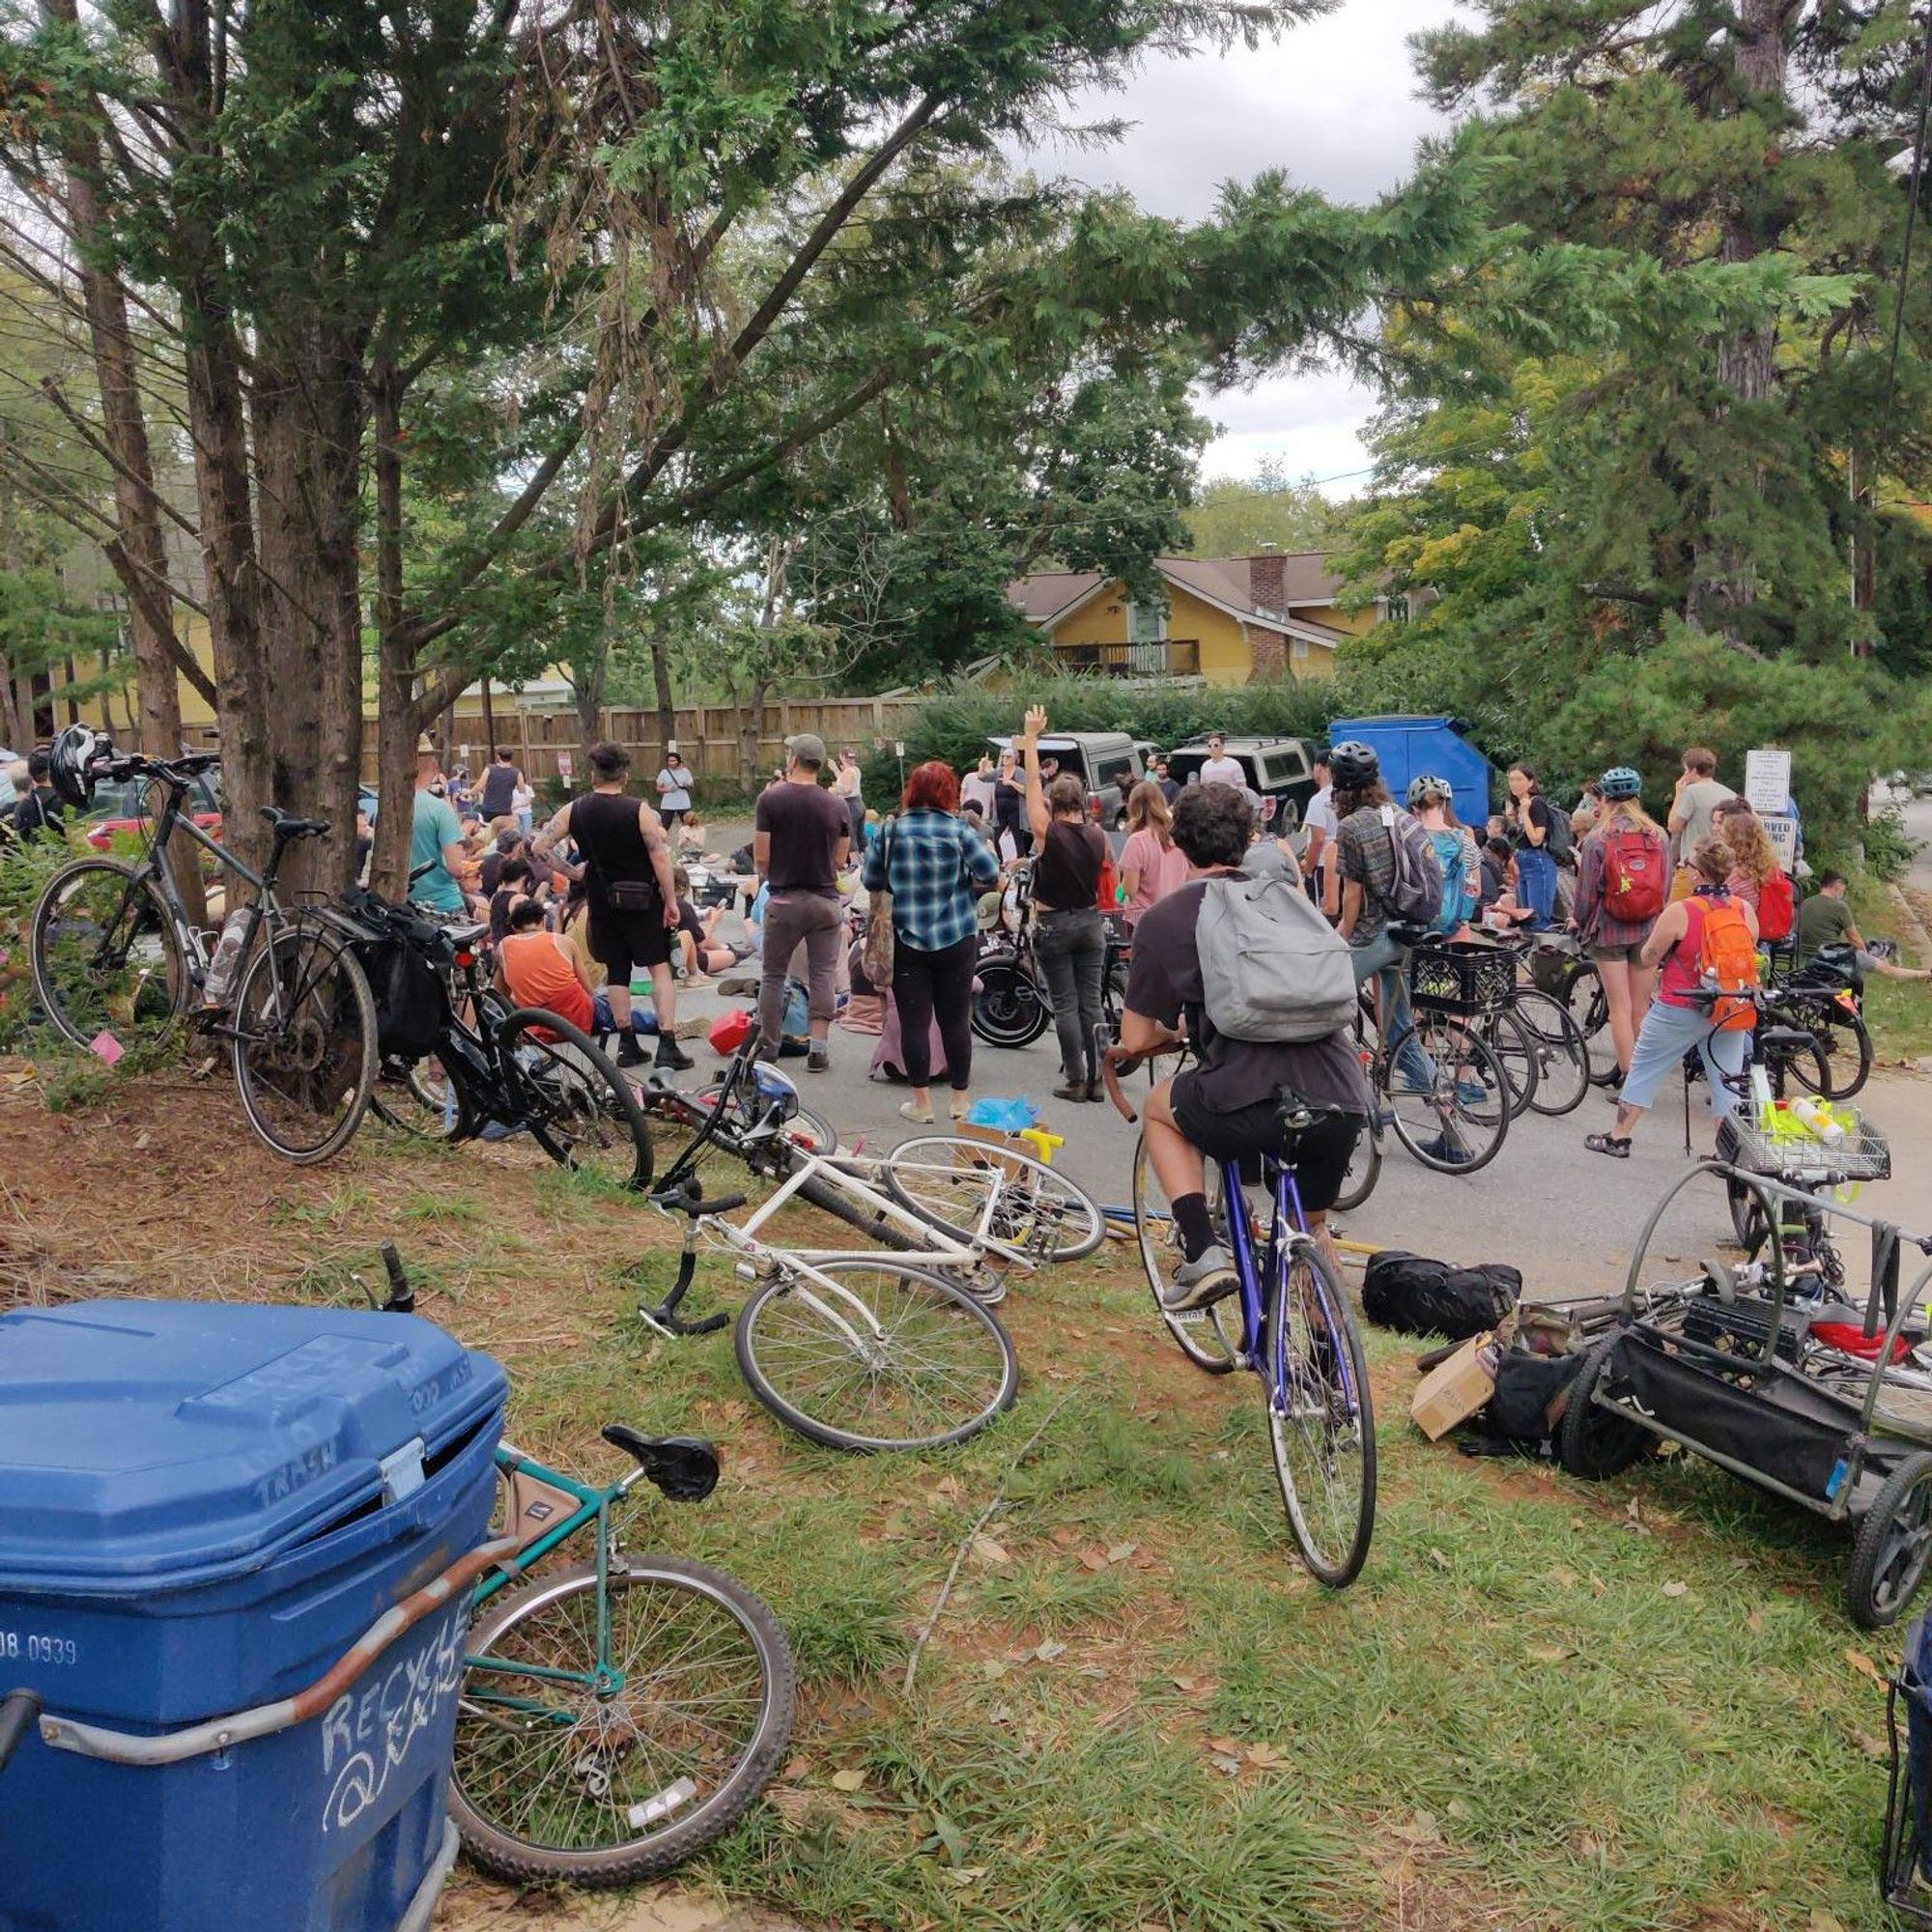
x,y
851,1347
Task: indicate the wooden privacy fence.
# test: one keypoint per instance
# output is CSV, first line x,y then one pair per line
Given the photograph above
x,y
707,734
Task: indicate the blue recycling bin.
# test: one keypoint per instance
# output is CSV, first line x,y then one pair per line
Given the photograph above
x,y
236,1554
1408,745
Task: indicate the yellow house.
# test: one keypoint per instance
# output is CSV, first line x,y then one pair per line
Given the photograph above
x,y
1225,619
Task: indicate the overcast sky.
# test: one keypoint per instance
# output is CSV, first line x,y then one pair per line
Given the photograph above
x,y
1334,104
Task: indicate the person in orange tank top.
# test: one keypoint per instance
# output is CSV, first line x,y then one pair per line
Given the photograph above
x,y
537,968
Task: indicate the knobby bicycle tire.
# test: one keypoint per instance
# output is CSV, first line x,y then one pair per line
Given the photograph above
x,y
1308,1417
1011,1009
321,984
604,1090
484,1719
929,1302
165,993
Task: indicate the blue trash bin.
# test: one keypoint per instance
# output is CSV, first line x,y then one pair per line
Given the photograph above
x,y
235,1551
1408,745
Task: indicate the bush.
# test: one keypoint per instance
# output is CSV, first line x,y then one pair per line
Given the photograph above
x,y
23,870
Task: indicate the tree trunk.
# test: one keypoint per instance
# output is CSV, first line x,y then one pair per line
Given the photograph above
x,y
489,724
588,687
661,685
395,657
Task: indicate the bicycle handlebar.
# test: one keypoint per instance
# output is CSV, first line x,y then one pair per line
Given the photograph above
x,y
1114,1062
18,1711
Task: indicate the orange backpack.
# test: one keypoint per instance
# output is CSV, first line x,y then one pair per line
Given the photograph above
x,y
1727,964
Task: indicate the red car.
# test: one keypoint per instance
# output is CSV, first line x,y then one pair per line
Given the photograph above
x,y
116,809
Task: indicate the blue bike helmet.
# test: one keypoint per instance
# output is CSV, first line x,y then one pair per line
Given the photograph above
x,y
1621,781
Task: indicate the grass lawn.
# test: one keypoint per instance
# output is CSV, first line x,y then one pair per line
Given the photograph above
x,y
1898,1013
1544,1706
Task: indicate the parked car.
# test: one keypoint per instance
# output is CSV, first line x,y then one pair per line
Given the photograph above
x,y
1109,762
117,808
1279,773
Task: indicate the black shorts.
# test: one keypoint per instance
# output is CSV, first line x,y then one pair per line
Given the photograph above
x,y
622,940
1321,1155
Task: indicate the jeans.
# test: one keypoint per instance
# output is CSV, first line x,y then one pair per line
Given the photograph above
x,y
1071,948
1668,1034
1384,959
1536,883
941,983
791,920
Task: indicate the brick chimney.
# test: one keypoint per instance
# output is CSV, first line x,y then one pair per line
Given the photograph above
x,y
1267,586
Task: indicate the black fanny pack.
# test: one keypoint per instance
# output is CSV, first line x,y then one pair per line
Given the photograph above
x,y
630,894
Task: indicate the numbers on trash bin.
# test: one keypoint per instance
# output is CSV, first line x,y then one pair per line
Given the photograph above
x,y
36,1648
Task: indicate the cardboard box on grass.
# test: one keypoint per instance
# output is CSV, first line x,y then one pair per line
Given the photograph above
x,y
1456,1389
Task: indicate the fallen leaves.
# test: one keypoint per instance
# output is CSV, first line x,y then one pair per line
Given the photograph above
x,y
1866,1668
1675,1589
851,1779
985,1552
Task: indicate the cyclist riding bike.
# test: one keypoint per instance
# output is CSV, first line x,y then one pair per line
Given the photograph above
x,y
1228,1105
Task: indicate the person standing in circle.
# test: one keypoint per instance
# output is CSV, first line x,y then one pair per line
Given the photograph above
x,y
936,865
1623,882
849,784
1530,816
1070,935
1220,769
1151,864
674,792
1010,814
801,837
625,867
498,797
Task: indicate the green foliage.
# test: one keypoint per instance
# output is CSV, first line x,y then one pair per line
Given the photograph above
x,y
23,870
1234,516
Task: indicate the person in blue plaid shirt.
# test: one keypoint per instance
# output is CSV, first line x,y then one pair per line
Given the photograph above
x,y
936,865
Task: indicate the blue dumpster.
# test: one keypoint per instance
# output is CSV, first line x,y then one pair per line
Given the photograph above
x,y
237,1548
1410,746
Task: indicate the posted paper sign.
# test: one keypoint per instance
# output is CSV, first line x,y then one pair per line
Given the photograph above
x,y
1767,781
1783,831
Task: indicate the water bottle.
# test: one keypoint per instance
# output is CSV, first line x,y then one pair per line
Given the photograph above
x,y
220,981
1820,1119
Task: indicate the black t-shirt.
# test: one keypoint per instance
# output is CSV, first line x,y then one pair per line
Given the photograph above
x,y
1008,802
806,824
500,902
1164,982
1534,811
689,921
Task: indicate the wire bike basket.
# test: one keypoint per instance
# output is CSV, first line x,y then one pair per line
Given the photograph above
x,y
1461,977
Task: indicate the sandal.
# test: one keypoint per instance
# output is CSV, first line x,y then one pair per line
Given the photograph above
x,y
1609,1144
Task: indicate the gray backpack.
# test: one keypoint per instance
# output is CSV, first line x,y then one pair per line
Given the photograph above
x,y
1272,969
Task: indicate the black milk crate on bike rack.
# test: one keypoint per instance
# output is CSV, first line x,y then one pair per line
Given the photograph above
x,y
1462,977
1862,1154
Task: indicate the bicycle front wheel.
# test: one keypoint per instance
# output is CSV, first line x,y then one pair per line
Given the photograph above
x,y
1562,1053
107,956
606,1762
1454,1114
1844,1054
1210,1337
972,1189
568,1092
304,1043
1322,1422
870,1355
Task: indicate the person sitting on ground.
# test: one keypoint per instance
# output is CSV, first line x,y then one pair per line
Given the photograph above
x,y
1826,920
690,837
539,968
513,883
1678,1022
1228,1103
490,872
701,950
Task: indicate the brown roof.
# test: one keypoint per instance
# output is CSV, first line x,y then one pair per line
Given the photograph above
x,y
1306,579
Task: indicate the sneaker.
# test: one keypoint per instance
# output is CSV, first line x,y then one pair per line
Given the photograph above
x,y
1472,1092
693,1027
630,1053
818,1057
1451,1153
671,1055
920,1116
1197,1283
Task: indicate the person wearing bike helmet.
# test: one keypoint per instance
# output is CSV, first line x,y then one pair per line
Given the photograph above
x,y
1432,801
1623,881
1365,860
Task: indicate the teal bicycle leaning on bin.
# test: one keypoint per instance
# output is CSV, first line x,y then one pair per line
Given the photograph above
x,y
618,1716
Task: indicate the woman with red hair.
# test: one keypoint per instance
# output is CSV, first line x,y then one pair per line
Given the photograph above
x,y
935,867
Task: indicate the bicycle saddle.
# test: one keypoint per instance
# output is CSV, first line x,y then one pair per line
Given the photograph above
x,y
1776,1039
288,826
685,1467
1405,934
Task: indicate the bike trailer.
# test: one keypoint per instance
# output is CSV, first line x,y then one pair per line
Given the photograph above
x,y
237,1552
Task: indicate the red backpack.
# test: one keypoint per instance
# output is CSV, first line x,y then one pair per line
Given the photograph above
x,y
1777,908
1635,875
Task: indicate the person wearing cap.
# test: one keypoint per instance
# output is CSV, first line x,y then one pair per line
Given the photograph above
x,y
435,841
625,863
800,839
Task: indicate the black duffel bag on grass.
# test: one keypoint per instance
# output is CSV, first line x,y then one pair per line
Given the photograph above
x,y
1415,1295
